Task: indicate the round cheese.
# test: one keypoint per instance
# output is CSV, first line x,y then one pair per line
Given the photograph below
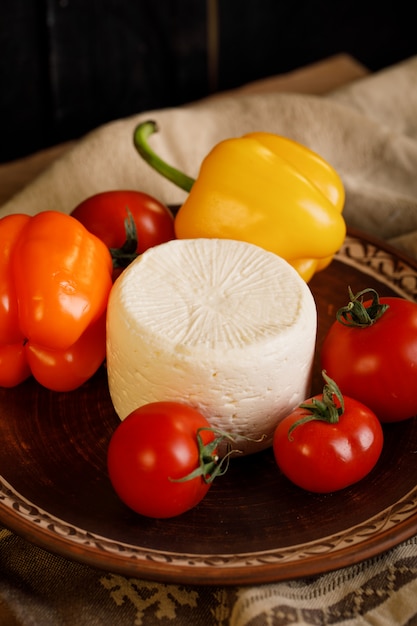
x,y
221,325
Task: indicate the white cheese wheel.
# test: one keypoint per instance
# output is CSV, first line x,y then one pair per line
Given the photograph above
x,y
221,325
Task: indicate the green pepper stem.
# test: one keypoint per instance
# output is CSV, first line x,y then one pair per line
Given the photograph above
x,y
140,139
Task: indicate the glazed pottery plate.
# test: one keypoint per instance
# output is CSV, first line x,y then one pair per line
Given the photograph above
x,y
253,526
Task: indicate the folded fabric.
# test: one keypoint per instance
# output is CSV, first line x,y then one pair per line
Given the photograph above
x,y
367,131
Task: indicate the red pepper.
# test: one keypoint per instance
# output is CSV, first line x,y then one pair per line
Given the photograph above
x,y
55,278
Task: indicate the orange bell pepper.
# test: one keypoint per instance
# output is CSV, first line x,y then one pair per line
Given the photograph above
x,y
55,278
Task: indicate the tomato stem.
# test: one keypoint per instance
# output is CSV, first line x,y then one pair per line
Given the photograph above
x,y
123,256
326,409
140,139
355,313
211,464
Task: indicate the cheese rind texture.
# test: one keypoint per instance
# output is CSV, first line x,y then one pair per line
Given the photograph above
x,y
221,325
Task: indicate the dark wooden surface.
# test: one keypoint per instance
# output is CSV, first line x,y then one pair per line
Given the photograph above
x,y
67,66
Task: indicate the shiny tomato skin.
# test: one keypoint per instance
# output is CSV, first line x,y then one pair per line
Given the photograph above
x,y
104,214
154,443
377,364
322,457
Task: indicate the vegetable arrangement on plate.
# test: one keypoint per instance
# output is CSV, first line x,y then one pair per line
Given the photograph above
x,y
57,271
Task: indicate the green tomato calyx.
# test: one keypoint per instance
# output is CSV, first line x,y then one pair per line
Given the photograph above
x,y
123,256
328,408
211,464
355,313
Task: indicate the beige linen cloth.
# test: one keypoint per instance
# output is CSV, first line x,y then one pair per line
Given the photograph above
x,y
368,132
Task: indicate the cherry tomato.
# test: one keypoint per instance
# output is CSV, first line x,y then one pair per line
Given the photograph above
x,y
104,215
376,363
322,457
151,455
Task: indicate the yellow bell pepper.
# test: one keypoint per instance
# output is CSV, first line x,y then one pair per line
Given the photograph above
x,y
264,189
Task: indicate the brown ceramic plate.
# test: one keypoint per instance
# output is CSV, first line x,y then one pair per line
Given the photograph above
x,y
253,526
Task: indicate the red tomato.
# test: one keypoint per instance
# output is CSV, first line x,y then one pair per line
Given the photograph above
x,y
323,457
377,364
153,445
104,215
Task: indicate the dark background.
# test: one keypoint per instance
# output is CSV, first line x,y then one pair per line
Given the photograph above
x,y
67,66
